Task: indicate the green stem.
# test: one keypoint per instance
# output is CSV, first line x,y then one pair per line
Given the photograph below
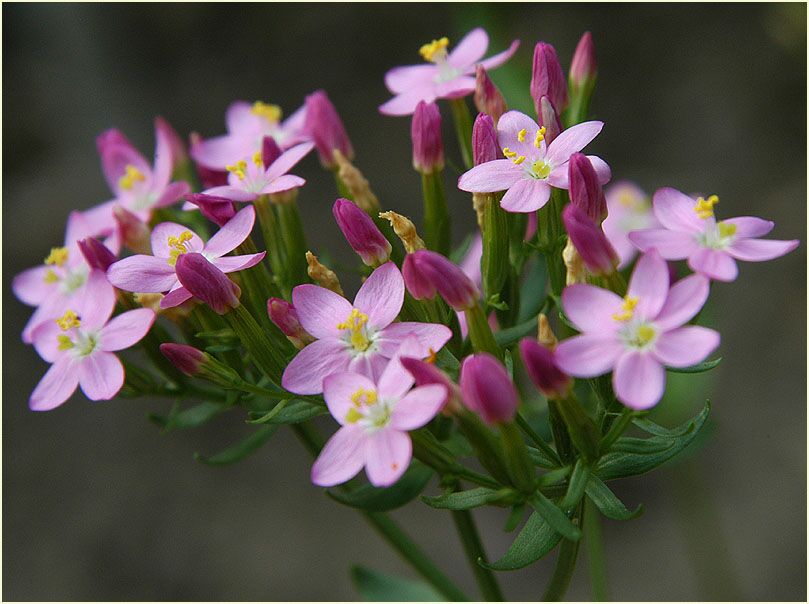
x,y
494,263
480,333
537,439
565,565
294,241
616,429
467,531
255,341
596,560
268,223
436,214
463,128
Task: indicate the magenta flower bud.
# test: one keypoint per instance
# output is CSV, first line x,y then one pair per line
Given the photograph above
x,y
285,317
185,358
426,273
270,151
178,152
484,140
216,209
590,241
543,370
585,190
425,132
135,234
549,119
547,78
487,390
324,126
96,253
361,233
426,373
110,138
488,98
583,67
207,283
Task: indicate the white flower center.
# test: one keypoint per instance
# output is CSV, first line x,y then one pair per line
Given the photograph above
x,y
368,410
718,237
639,335
74,278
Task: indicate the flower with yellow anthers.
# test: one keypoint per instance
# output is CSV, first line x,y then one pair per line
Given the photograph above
x,y
627,308
178,245
58,256
272,113
355,327
628,209
131,176
435,51
704,207
69,320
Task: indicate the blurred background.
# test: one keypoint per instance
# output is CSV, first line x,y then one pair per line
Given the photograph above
x,y
99,505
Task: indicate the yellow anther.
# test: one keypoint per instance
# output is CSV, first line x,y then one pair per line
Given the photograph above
x,y
519,160
627,309
258,160
238,168
539,137
356,325
50,277
431,357
353,416
65,343
364,397
435,50
704,207
726,229
521,135
271,113
178,246
68,320
58,256
132,175
509,153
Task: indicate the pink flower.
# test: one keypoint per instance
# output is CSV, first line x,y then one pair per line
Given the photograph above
x,y
448,75
532,167
247,125
374,419
157,273
628,209
712,248
638,335
359,337
80,344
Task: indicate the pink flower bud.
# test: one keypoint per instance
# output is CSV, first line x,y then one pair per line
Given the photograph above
x,y
484,140
185,358
425,132
207,283
178,152
216,209
488,98
285,317
135,234
426,273
549,119
547,78
324,126
543,371
487,389
427,373
270,151
96,254
585,190
361,233
209,178
590,242
583,67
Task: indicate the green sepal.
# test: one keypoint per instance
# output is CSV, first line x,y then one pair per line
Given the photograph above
x,y
193,417
535,540
371,498
241,449
698,368
608,503
377,587
555,517
290,412
473,498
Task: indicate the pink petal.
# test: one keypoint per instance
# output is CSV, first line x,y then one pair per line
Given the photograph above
x,y
239,117
293,126
685,346
95,222
126,329
46,342
101,375
287,160
387,455
716,264
230,236
675,211
364,364
572,140
405,102
560,177
429,336
173,193
650,284
175,297
758,250
395,380
51,308
498,59
493,176
470,264
590,308
380,297
639,380
283,183
602,169
163,159
320,310
418,407
672,245
342,457
231,193
338,388
56,385
160,239
114,160
750,226
526,195
469,50
96,300
455,88
400,79
231,264
30,286
306,372
141,273
588,355
686,297
217,152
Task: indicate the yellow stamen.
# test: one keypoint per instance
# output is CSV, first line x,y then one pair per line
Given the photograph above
x,y
645,334
68,320
356,324
726,229
65,343
435,50
133,175
257,159
539,137
353,416
178,245
509,153
50,277
364,397
627,308
521,135
238,168
704,207
271,113
431,357
58,256
519,160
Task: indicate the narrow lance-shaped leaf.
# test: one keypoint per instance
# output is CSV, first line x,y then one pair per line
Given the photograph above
x,y
241,449
606,501
576,486
555,517
377,587
473,498
374,499
699,368
535,540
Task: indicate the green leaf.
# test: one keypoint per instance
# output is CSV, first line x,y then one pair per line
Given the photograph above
x,y
290,412
576,485
218,334
193,417
377,587
699,368
620,464
606,501
241,449
369,497
535,540
628,444
507,337
514,517
467,500
555,517
540,458
652,428
532,294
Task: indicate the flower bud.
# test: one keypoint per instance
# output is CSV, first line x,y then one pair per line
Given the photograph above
x,y
356,184
178,152
547,78
135,234
405,230
488,98
543,371
322,274
196,363
96,253
549,119
585,191
324,126
590,242
426,373
484,140
218,210
425,132
208,177
362,234
285,317
426,273
270,151
206,282
487,389
583,67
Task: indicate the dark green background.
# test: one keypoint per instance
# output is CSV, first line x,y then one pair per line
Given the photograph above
x,y
98,505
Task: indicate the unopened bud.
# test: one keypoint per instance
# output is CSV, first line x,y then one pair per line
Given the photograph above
x,y
549,119
426,373
487,389
362,234
425,133
322,275
405,230
175,143
488,98
270,151
590,242
96,253
324,126
135,234
356,183
196,363
427,273
484,140
543,370
218,210
585,191
583,67
285,317
206,282
547,78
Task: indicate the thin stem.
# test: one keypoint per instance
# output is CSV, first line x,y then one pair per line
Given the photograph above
x,y
617,428
294,241
537,439
268,223
472,545
480,332
436,214
463,128
565,565
596,560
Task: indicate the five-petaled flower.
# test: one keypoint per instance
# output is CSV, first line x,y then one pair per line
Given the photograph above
x,y
628,209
